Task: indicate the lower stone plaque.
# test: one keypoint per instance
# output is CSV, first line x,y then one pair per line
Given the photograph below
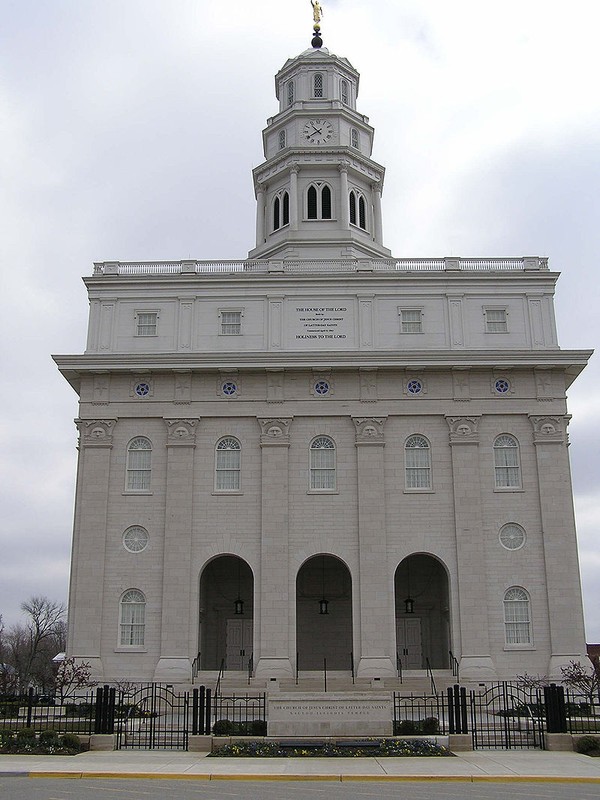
x,y
335,714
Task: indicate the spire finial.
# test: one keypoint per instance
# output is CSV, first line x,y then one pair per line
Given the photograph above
x,y
317,14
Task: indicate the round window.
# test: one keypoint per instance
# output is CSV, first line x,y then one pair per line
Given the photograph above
x,y
502,386
229,388
414,387
135,539
321,387
512,536
142,389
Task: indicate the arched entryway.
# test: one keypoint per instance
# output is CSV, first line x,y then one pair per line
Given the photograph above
x,y
422,612
226,614
324,614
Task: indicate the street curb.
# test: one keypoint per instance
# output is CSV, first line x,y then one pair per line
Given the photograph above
x,y
299,777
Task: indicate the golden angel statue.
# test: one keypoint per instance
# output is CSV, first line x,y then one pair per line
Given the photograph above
x,y
317,11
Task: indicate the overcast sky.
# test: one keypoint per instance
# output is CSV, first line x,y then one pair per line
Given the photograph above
x,y
129,129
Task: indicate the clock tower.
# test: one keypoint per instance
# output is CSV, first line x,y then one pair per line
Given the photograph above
x,y
318,192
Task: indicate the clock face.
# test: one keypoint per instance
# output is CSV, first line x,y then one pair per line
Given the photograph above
x,y
317,131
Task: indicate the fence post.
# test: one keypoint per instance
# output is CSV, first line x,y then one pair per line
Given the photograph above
x,y
29,706
451,722
556,714
207,710
463,710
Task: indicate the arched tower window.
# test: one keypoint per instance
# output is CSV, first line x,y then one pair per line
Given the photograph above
x,y
358,209
285,209
139,465
322,463
344,91
318,85
281,210
506,462
132,618
318,201
362,213
517,622
282,139
228,465
290,93
354,141
417,460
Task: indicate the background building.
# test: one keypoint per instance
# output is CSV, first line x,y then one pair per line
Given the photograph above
x,y
323,428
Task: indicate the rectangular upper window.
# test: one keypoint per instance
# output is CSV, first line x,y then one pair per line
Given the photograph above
x,y
411,320
496,320
146,323
230,322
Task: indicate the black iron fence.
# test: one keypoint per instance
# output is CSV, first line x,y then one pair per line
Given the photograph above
x,y
74,714
240,715
582,712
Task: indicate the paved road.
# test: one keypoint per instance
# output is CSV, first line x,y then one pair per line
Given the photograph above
x,y
17,788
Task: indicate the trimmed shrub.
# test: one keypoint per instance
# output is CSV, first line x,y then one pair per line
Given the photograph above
x,y
71,742
423,727
49,738
26,736
223,727
588,746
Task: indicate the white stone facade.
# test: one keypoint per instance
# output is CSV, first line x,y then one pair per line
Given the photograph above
x,y
319,423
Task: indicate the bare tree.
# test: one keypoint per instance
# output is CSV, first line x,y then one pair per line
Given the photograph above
x,y
583,678
72,675
33,645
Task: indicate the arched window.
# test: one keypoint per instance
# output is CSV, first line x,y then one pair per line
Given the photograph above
x,y
362,213
290,93
281,210
354,138
282,139
417,462
139,464
228,465
285,209
132,618
318,85
517,622
319,201
326,202
322,463
358,209
344,91
312,202
506,462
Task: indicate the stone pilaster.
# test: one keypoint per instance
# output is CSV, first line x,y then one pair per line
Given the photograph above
x,y
476,662
86,593
174,665
273,634
375,601
565,612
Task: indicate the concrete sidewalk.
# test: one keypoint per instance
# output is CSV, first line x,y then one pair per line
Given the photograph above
x,y
491,765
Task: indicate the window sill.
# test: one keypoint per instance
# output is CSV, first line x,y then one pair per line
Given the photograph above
x,y
518,647
227,493
137,494
508,489
418,491
322,491
134,648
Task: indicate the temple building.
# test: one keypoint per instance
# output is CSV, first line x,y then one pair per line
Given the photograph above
x,y
322,452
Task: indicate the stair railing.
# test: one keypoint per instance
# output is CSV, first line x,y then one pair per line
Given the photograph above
x,y
352,667
399,667
297,667
219,676
430,675
195,667
454,665
250,667
325,674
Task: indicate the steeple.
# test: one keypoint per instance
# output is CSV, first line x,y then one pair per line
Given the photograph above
x,y
318,191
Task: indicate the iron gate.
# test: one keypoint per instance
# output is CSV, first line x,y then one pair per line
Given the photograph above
x,y
153,717
508,717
